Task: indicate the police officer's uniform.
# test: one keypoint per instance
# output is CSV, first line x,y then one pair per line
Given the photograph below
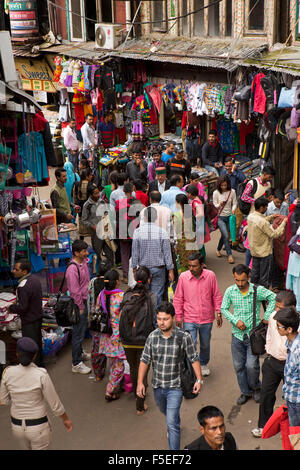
x,y
28,389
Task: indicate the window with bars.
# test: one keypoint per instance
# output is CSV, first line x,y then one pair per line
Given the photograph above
x,y
159,15
210,19
255,12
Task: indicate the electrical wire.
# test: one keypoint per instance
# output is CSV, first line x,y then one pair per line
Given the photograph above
x,y
139,22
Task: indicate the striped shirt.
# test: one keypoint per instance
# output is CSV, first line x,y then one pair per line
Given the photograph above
x,y
243,307
291,386
164,353
151,247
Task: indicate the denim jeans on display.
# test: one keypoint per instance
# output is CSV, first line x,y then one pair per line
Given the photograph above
x,y
204,337
246,365
169,401
78,335
223,224
210,168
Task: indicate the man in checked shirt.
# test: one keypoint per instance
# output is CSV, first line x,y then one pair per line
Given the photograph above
x,y
164,348
240,297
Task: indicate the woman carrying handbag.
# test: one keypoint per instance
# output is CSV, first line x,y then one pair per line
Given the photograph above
x,y
224,199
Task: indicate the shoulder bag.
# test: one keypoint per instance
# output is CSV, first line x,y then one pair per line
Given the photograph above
x,y
187,374
258,334
66,311
100,320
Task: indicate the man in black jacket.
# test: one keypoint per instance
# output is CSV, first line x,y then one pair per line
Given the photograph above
x,y
161,183
29,305
214,435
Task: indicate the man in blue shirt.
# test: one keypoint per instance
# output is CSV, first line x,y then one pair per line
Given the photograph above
x,y
169,152
168,198
287,325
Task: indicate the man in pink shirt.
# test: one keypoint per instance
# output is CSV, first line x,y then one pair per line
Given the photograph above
x,y
197,298
78,277
71,143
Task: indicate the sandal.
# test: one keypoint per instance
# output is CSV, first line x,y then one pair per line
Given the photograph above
x,y
230,259
141,412
219,254
112,397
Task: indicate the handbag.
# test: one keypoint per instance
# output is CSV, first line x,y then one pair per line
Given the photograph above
x,y
187,374
100,320
258,334
294,245
66,311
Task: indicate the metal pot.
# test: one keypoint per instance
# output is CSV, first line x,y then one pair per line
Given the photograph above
x,y
23,220
10,219
35,215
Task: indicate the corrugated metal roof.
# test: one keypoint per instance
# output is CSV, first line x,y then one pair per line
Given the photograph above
x,y
215,53
280,59
79,50
24,51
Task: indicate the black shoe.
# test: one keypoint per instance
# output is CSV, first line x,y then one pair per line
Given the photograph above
x,y
256,396
239,248
243,399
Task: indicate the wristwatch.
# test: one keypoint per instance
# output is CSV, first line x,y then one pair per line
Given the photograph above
x,y
200,382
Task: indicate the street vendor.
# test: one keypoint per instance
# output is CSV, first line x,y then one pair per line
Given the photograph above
x,y
59,198
107,130
29,305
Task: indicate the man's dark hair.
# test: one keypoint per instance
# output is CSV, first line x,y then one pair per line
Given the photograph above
x,y
208,412
150,214
194,176
139,184
270,192
268,170
287,298
59,171
155,196
175,179
128,188
213,132
278,194
196,256
241,269
193,190
288,317
137,151
166,307
90,189
25,264
121,178
79,245
261,202
88,115
228,159
168,144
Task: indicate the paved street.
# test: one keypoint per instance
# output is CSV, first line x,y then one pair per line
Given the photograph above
x,y
102,425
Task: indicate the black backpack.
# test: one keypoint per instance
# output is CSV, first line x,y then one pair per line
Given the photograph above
x,y
138,332
245,206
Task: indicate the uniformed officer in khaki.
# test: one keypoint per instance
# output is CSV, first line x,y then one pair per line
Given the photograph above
x,y
28,388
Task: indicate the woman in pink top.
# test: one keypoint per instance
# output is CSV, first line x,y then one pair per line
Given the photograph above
x,y
194,180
